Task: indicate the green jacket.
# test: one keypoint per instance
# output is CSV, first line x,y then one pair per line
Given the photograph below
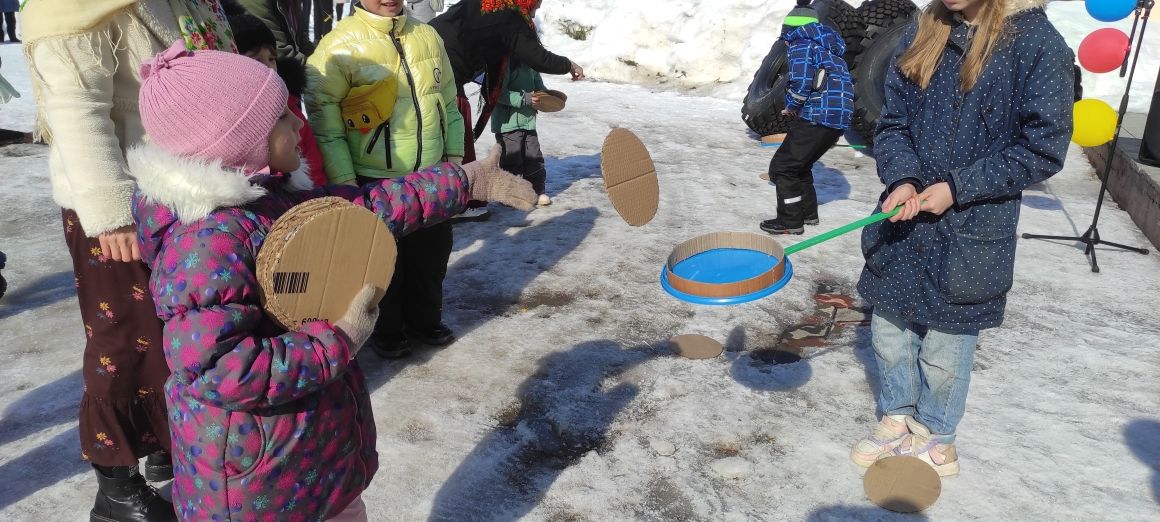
x,y
425,125
514,111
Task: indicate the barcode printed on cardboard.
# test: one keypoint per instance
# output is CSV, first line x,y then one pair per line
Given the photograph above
x,y
291,282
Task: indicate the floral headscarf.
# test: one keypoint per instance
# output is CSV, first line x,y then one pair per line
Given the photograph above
x,y
523,6
204,25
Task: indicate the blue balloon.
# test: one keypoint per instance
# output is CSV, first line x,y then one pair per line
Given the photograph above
x,y
1110,10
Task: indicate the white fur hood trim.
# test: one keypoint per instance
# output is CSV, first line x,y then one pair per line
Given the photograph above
x,y
193,188
1018,6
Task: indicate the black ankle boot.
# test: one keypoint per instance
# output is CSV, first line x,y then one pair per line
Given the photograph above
x,y
438,335
123,496
777,226
393,346
158,467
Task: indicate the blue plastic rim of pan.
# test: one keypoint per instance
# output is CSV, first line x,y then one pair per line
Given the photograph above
x,y
726,265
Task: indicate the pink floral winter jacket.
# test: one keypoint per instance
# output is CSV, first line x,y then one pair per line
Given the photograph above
x,y
266,424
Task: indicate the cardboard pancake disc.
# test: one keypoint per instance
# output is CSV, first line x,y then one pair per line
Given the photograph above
x,y
902,484
629,177
693,346
551,101
318,255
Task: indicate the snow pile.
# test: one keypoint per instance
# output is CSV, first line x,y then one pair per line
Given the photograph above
x,y
713,47
689,44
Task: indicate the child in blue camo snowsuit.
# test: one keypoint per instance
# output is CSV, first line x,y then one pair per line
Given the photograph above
x,y
821,96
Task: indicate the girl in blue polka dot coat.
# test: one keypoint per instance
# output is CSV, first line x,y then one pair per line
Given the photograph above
x,y
978,107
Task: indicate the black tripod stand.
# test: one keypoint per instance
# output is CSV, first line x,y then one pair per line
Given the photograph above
x,y
1091,238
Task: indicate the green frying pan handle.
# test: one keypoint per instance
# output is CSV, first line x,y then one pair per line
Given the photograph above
x,y
798,247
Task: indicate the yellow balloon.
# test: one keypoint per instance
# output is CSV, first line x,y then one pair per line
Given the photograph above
x,y
1095,123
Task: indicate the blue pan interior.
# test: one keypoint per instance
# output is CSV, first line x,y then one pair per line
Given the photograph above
x,y
726,265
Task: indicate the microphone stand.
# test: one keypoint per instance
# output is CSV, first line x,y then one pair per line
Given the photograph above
x,y
1091,238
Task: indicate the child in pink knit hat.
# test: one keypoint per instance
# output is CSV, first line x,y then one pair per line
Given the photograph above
x,y
267,424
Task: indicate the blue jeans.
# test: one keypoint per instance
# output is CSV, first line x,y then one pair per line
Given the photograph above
x,y
925,373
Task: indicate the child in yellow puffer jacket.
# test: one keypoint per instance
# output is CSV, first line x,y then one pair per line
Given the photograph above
x,y
380,96
380,47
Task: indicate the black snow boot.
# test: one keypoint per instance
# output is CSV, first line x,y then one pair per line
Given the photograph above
x,y
777,226
158,467
123,496
392,346
438,335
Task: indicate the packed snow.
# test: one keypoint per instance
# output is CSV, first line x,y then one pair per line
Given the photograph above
x,y
561,400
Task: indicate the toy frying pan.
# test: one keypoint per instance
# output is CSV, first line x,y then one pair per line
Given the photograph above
x,y
724,268
552,100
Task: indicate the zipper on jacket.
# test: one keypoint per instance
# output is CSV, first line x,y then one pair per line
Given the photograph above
x,y
442,124
414,95
960,100
293,36
383,131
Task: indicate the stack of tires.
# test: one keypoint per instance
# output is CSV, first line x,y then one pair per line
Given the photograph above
x,y
871,32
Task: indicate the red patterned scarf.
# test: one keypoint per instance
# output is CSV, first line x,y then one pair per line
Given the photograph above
x,y
523,6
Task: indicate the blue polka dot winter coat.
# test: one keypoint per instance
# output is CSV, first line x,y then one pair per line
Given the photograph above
x,y
1010,131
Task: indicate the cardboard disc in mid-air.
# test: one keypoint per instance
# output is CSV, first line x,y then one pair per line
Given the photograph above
x,y
629,177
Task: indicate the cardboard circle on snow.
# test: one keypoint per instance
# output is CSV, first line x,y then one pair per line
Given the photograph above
x,y
902,484
551,101
318,255
695,346
629,177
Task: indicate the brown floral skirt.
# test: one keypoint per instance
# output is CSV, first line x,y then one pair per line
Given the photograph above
x,y
122,413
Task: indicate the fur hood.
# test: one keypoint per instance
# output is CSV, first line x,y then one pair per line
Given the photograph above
x,y
192,188
1015,7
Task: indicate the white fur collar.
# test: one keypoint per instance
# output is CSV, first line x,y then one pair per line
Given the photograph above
x,y
1018,6
192,187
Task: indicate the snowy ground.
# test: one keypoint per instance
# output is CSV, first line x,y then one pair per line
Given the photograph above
x,y
553,404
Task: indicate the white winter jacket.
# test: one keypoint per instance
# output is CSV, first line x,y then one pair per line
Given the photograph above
x,y
84,58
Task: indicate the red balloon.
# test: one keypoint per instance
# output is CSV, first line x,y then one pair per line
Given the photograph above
x,y
1104,50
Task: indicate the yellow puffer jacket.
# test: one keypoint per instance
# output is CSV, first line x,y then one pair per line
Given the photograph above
x,y
403,56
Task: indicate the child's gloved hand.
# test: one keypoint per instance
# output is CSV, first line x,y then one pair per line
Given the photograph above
x,y
488,182
359,320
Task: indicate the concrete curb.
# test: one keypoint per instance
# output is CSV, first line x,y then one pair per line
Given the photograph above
x,y
1131,186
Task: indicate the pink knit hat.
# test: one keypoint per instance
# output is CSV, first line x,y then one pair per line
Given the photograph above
x,y
211,104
